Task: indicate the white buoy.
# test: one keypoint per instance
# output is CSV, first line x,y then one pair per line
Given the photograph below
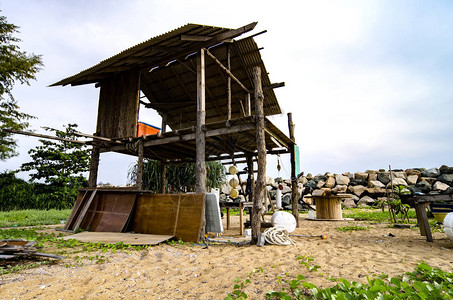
x,y
279,199
448,225
284,219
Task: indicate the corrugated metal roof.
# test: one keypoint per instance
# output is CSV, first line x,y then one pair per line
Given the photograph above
x,y
167,43
171,87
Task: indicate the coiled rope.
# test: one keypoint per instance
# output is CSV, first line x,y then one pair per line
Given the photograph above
x,y
278,236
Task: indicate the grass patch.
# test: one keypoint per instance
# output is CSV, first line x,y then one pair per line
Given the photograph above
x,y
33,217
351,228
375,215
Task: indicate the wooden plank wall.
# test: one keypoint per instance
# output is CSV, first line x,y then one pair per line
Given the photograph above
x,y
179,215
118,105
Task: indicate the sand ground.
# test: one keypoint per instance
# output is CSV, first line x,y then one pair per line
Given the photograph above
x,y
196,272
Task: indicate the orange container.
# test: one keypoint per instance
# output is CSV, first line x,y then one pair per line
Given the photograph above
x,y
146,129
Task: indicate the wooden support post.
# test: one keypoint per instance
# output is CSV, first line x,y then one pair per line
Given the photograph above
x,y
248,106
294,194
261,147
94,164
139,178
228,87
200,138
201,119
251,177
163,128
163,178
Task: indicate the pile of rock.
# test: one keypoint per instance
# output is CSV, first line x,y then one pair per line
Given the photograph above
x,y
368,188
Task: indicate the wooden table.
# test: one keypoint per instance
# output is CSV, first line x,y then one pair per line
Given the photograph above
x,y
241,206
329,207
421,202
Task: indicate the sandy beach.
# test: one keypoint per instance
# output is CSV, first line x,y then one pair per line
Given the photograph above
x,y
198,272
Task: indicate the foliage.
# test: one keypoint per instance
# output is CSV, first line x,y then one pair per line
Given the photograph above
x,y
15,193
15,65
351,228
240,285
423,283
398,211
61,166
33,217
179,178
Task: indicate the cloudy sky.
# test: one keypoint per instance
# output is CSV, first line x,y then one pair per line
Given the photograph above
x,y
369,83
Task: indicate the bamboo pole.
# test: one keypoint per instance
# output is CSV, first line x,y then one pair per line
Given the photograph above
x,y
227,71
228,87
260,184
43,136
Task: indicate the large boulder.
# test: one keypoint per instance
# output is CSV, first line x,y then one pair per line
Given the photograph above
x,y
440,186
400,174
412,179
357,190
372,176
446,170
340,189
375,192
446,178
383,177
342,180
366,201
433,172
311,184
330,182
361,176
375,184
396,182
424,186
322,192
320,184
413,172
349,203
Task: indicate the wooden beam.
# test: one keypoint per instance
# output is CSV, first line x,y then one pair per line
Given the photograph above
x,y
199,38
227,71
260,184
274,86
43,136
228,86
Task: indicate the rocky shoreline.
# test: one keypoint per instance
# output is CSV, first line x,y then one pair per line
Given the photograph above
x,y
367,188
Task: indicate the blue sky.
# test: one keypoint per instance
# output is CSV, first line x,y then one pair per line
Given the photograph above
x,y
369,83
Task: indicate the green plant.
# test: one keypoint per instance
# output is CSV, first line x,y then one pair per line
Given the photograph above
x,y
398,211
179,177
351,228
306,260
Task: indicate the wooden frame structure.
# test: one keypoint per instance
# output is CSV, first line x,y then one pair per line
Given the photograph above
x,y
201,82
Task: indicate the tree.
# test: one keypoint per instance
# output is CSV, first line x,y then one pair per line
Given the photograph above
x,y
15,65
58,168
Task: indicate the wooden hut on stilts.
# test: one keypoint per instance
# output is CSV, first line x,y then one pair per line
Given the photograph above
x,y
212,91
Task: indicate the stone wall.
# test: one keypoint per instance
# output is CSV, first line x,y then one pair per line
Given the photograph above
x,y
367,188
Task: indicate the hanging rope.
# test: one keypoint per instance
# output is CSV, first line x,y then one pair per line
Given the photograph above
x,y
278,236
